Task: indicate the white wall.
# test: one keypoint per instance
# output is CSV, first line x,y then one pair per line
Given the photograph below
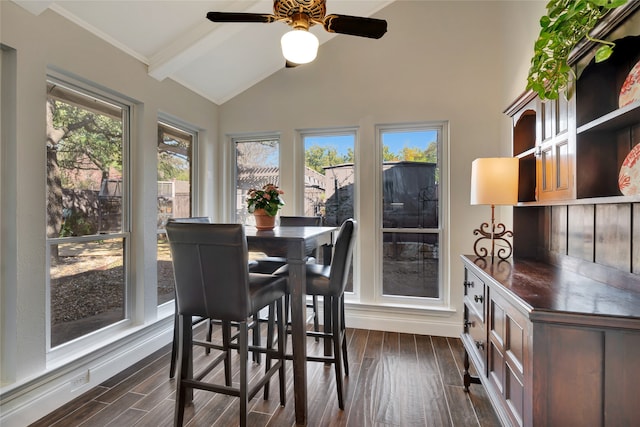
x,y
48,40
448,60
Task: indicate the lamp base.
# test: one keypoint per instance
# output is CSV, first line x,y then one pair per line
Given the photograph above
x,y
492,233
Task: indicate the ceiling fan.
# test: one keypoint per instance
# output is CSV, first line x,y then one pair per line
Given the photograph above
x,y
300,46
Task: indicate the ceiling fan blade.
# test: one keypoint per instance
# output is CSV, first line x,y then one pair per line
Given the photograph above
x,y
239,17
355,26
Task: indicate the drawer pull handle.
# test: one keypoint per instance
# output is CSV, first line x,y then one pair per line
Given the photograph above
x,y
478,298
469,324
468,284
480,345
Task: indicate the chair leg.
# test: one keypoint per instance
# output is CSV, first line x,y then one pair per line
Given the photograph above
x,y
226,343
328,316
270,326
343,337
174,347
287,299
316,323
207,350
256,337
244,354
337,351
282,350
183,393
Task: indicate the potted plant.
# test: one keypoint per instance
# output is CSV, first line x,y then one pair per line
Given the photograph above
x,y
567,22
264,204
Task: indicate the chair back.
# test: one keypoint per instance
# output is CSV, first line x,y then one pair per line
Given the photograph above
x,y
210,270
198,219
300,221
342,256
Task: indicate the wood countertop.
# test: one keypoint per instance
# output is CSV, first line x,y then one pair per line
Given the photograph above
x,y
547,292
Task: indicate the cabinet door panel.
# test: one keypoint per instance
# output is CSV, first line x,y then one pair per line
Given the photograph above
x,y
515,344
497,323
496,366
547,119
622,353
546,170
514,394
562,166
568,375
562,115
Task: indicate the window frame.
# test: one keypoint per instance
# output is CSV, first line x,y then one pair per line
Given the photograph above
x,y
442,231
168,307
195,156
354,295
233,185
71,348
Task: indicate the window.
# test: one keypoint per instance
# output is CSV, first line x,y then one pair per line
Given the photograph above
x,y
411,210
257,164
329,177
86,217
176,146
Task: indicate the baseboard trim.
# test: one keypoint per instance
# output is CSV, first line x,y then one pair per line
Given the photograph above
x,y
442,323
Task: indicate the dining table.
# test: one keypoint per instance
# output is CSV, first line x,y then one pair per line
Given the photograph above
x,y
295,243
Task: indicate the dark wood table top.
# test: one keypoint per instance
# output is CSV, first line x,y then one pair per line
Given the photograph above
x,y
276,242
545,290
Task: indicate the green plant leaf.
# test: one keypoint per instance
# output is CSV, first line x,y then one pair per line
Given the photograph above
x,y
603,53
567,22
545,21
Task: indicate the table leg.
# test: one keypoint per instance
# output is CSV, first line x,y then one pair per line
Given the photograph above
x,y
297,283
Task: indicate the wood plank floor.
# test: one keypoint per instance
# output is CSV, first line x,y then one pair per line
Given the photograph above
x,y
395,380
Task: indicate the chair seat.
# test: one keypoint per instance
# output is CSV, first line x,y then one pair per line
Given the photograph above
x,y
263,289
269,264
318,276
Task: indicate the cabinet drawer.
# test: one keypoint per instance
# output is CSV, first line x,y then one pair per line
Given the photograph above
x,y
475,294
475,335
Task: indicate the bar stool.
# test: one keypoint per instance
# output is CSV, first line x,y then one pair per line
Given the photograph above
x,y
174,343
213,282
198,320
330,281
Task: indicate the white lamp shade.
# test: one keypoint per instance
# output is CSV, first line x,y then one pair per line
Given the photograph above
x,y
299,46
494,181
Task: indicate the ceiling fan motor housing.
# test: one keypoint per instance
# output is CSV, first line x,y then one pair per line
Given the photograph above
x,y
314,9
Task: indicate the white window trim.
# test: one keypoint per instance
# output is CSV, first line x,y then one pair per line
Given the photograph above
x,y
194,131
232,139
351,130
84,345
443,302
168,308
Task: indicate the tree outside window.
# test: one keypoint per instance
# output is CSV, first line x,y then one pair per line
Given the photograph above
x,y
86,193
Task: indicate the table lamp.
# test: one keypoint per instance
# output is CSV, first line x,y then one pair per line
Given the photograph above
x,y
494,181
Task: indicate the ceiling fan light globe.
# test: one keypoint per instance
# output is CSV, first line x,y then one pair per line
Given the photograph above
x,y
299,46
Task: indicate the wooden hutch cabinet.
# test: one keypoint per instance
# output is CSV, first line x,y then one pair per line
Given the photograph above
x,y
554,333
551,347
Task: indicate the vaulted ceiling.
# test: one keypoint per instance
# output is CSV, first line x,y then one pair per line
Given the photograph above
x,y
176,41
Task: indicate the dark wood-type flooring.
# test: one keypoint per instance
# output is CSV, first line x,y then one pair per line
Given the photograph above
x,y
395,380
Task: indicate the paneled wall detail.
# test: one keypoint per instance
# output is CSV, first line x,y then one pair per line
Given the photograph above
x,y
580,242
613,236
599,240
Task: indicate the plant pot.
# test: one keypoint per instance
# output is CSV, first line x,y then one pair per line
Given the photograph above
x,y
264,221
